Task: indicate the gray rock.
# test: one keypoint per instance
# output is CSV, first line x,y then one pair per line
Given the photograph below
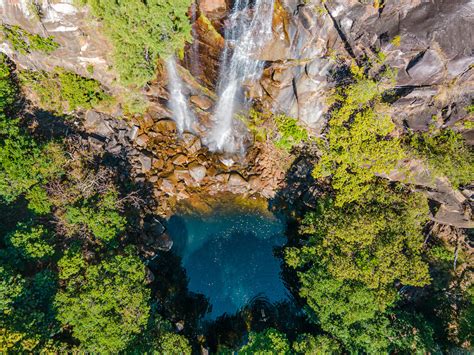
x,y
98,123
145,162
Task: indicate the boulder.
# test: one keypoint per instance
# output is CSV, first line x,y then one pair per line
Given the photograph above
x,y
145,162
237,180
180,159
198,172
98,123
203,102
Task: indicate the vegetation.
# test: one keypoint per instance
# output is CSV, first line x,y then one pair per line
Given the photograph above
x,y
141,32
106,304
269,341
446,153
63,90
26,42
290,131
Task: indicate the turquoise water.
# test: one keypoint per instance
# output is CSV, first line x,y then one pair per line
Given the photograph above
x,y
229,257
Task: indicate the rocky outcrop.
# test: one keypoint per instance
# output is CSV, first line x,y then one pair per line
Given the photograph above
x,y
82,47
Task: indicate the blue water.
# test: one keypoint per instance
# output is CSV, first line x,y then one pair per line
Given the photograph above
x,y
229,257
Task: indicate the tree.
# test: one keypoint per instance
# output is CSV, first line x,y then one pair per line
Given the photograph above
x,y
99,215
270,341
359,144
107,304
31,241
141,32
446,153
316,345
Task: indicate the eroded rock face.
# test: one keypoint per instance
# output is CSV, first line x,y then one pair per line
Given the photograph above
x,y
82,44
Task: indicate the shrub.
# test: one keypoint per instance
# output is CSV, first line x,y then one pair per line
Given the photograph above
x,y
290,131
26,42
32,241
63,90
141,32
446,153
98,215
359,146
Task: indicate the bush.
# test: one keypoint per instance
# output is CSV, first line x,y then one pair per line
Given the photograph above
x,y
359,145
290,131
99,215
26,42
32,241
63,90
141,32
446,153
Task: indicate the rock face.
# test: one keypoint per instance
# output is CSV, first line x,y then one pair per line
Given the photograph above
x,y
82,44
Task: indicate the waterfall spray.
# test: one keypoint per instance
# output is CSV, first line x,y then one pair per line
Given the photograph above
x,y
248,31
182,114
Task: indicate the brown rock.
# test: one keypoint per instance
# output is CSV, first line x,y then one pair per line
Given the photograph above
x,y
198,172
213,5
203,102
180,159
142,140
164,126
236,180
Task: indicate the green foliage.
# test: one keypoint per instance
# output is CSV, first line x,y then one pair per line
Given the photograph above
x,y
32,241
71,264
255,121
316,345
63,90
352,258
107,306
98,215
446,153
11,287
24,164
171,343
30,321
26,42
270,341
8,90
290,131
141,32
359,145
38,200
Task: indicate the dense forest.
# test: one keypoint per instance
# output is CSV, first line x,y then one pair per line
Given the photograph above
x,y
371,264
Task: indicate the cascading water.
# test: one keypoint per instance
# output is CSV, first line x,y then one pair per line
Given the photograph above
x,y
182,114
248,31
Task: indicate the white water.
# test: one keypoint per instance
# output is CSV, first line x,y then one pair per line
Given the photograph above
x,y
247,32
182,114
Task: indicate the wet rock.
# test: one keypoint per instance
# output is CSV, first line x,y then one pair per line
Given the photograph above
x,y
203,102
213,5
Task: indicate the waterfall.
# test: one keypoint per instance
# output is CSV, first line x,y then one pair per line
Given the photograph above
x,y
248,31
182,114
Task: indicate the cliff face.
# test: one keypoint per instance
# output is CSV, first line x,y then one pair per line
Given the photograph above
x,y
81,41
430,43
